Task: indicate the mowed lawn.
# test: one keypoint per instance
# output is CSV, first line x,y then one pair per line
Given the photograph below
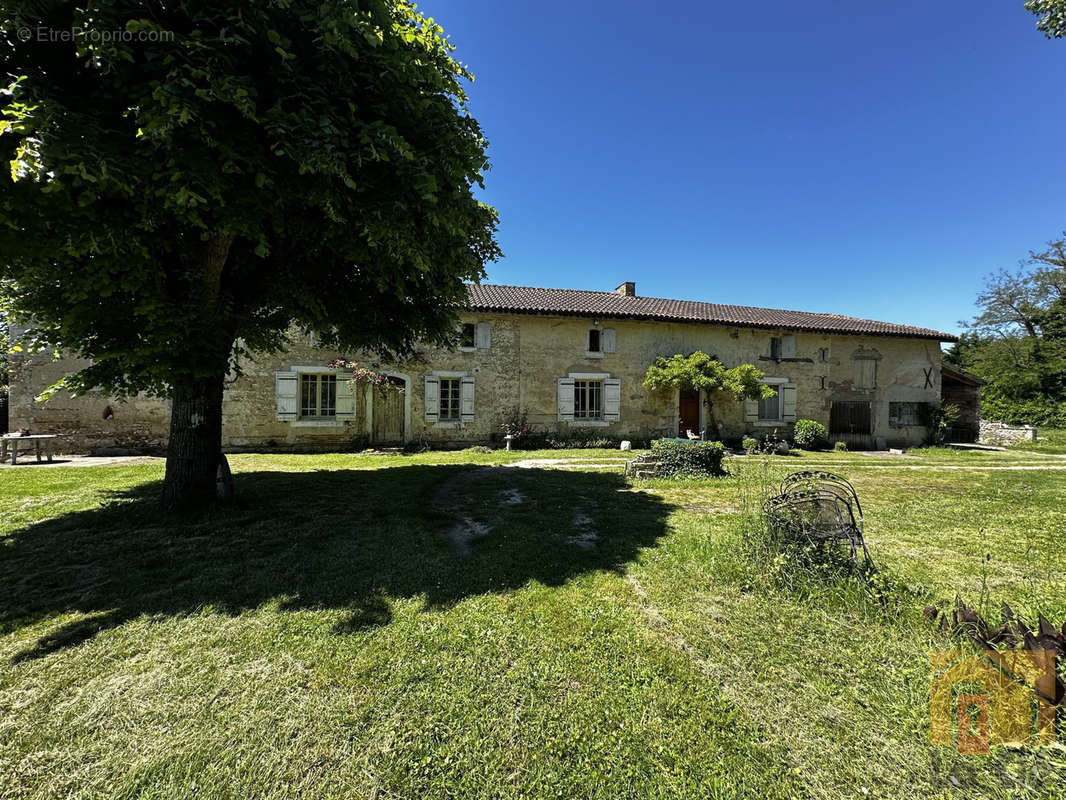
x,y
444,625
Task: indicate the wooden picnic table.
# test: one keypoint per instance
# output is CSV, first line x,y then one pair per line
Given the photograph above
x,y
11,441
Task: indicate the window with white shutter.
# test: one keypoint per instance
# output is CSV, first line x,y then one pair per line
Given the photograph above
x,y
865,373
612,399
788,402
345,401
608,340
566,399
466,398
484,335
287,395
432,396
788,347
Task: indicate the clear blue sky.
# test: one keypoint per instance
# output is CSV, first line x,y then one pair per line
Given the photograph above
x,y
875,160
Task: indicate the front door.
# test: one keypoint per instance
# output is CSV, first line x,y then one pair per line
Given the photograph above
x,y
389,412
688,412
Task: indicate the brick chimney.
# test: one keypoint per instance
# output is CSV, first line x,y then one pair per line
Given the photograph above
x,y
627,289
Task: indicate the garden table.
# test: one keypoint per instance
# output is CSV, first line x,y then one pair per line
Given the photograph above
x,y
11,441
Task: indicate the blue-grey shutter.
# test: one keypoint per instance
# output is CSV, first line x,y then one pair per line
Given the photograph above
x,y
287,394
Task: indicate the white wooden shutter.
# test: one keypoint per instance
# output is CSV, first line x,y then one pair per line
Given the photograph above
x,y
566,399
788,402
345,402
466,398
612,398
788,347
287,394
432,398
607,340
751,410
483,335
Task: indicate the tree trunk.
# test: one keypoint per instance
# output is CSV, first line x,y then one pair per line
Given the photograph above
x,y
197,472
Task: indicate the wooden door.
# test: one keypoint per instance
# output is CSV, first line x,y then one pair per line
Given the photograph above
x,y
389,413
688,412
852,422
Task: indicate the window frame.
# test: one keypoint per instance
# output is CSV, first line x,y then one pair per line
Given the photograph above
x,y
317,380
775,348
583,387
895,420
780,418
443,400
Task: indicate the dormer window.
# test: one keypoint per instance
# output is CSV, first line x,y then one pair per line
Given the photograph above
x,y
594,340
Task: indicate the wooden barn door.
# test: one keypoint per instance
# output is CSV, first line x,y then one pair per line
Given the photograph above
x,y
388,413
851,421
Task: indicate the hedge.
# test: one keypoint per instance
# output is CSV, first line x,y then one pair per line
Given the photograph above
x,y
688,458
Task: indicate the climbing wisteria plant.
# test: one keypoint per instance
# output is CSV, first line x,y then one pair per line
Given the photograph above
x,y
364,376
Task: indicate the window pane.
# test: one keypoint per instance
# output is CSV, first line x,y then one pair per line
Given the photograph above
x,y
594,341
588,399
449,399
328,393
308,395
467,339
770,407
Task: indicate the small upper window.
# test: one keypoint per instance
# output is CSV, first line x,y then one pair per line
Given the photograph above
x,y
466,338
318,395
775,348
594,340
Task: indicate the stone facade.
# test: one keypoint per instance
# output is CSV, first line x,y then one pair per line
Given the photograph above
x,y
1004,435
530,362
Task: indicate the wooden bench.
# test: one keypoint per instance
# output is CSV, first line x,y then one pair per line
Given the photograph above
x,y
11,441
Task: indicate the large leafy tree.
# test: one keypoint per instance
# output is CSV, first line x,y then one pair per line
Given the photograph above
x,y
192,179
699,371
1018,340
1051,16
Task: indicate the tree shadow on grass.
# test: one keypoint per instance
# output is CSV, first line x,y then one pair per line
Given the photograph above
x,y
347,539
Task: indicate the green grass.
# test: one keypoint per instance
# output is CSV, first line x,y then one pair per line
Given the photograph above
x,y
322,638
1049,440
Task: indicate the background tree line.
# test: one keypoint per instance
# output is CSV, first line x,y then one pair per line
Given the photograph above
x,y
1018,341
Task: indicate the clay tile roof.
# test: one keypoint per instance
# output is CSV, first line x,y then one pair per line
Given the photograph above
x,y
572,302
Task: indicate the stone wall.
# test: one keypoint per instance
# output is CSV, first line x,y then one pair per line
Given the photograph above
x,y
520,368
1004,435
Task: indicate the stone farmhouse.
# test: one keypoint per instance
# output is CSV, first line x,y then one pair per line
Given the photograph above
x,y
574,359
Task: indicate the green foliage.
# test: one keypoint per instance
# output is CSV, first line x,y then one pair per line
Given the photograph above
x,y
689,458
255,168
1051,16
810,435
1018,341
937,420
1040,412
750,445
840,447
701,371
515,421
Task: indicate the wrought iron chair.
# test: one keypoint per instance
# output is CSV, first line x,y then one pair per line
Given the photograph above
x,y
821,507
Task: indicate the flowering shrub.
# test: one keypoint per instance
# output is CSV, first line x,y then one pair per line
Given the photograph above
x,y
515,422
363,375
